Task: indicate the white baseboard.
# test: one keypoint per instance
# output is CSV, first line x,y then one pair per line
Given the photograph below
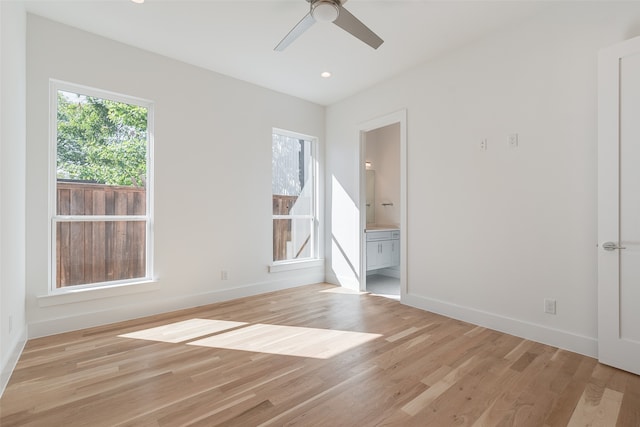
x,y
10,363
122,313
344,281
389,272
587,346
330,277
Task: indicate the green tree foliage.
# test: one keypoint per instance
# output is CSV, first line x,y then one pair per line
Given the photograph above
x,y
101,140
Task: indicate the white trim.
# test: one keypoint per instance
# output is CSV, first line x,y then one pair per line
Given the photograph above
x,y
344,281
613,347
9,365
88,292
292,134
292,217
587,346
315,201
118,313
296,265
53,154
54,87
399,117
150,187
388,272
98,93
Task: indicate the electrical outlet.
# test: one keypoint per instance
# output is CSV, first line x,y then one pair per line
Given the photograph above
x,y
550,306
224,275
483,145
513,140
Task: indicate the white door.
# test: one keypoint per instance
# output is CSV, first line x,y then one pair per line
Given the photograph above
x,y
619,206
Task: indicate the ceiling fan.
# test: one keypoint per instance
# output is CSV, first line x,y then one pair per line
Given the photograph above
x,y
331,11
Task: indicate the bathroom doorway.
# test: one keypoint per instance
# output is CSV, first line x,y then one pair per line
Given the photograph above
x,y
383,206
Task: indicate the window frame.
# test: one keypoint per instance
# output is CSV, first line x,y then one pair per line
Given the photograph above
x,y
54,219
313,259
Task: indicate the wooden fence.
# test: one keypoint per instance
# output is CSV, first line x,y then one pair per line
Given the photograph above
x,y
99,251
281,227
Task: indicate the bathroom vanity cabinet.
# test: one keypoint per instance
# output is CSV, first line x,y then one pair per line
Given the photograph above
x,y
383,249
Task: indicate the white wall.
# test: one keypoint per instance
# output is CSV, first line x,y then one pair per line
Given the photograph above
x,y
493,233
12,188
383,151
212,177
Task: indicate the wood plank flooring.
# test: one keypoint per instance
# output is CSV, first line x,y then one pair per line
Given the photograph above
x,y
310,356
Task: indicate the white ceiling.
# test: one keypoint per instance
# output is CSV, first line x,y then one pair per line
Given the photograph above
x,y
237,37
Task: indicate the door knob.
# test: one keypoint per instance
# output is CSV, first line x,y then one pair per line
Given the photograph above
x,y
611,246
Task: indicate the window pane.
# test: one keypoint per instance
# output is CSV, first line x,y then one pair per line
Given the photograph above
x,y
293,193
292,239
101,151
102,155
99,251
292,176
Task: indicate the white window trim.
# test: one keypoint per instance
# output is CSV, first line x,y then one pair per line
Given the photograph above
x,y
315,259
73,295
54,87
296,265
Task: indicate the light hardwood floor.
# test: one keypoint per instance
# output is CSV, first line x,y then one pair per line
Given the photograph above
x,y
310,356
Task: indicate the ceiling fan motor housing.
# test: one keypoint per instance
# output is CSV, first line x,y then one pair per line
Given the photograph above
x,y
325,10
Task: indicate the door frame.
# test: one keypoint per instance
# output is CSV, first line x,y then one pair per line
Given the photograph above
x,y
610,342
367,126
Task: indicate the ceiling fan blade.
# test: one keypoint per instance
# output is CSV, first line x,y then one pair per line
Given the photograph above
x,y
355,27
302,26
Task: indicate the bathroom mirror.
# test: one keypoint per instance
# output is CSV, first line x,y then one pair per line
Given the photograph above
x,y
371,191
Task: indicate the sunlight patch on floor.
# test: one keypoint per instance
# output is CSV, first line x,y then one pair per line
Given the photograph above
x,y
183,331
288,340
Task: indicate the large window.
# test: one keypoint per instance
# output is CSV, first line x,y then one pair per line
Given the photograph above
x,y
295,222
101,188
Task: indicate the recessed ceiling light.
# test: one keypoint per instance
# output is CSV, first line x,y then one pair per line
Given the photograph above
x,y
325,74
138,1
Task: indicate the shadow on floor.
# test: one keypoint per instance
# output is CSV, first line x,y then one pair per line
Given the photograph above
x,y
384,286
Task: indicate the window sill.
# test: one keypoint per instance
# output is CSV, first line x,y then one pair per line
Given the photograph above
x,y
87,294
295,265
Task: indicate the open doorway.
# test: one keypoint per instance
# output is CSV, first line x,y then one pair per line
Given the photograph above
x,y
383,206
